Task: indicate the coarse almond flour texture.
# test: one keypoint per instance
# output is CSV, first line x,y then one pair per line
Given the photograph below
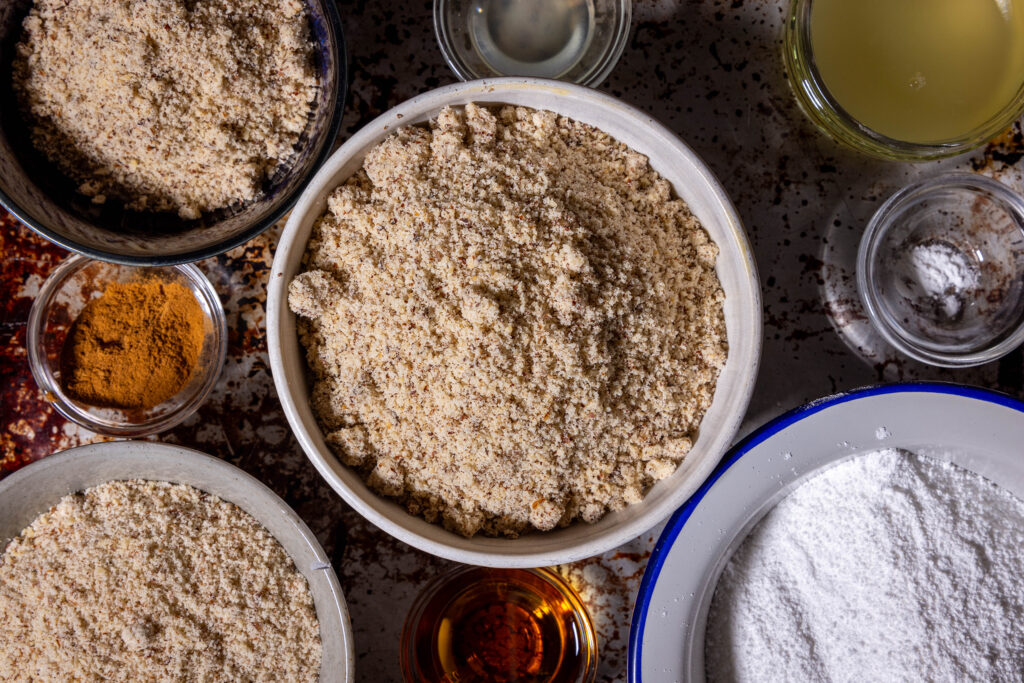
x,y
146,581
166,105
510,320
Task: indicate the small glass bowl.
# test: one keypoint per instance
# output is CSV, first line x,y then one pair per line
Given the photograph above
x,y
822,109
477,624
470,40
940,270
60,301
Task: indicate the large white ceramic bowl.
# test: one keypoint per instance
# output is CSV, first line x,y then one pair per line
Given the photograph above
x,y
978,430
32,490
693,182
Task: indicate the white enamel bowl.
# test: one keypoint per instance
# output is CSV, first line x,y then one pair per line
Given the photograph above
x,y
976,429
33,489
692,181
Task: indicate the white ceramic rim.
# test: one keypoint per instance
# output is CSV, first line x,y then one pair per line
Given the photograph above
x,y
79,468
736,270
45,380
978,429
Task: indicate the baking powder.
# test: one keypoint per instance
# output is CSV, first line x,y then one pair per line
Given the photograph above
x,y
945,274
889,566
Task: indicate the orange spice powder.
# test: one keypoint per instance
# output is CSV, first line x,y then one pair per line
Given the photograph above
x,y
133,347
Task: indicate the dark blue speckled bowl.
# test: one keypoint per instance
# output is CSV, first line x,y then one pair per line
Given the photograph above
x,y
47,202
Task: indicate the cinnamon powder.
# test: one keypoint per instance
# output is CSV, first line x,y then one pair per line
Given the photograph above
x,y
135,346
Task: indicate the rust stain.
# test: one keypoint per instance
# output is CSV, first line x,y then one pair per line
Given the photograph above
x,y
1003,151
29,427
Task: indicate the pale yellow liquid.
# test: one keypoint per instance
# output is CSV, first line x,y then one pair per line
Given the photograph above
x,y
923,71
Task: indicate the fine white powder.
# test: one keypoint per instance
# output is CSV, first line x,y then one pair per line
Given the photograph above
x,y
889,566
945,273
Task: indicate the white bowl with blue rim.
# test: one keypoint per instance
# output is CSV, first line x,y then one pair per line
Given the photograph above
x,y
977,429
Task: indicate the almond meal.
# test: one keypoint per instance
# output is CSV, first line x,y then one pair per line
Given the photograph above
x,y
166,105
511,321
147,581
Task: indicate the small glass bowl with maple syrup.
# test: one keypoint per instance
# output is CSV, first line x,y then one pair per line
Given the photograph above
x,y
476,624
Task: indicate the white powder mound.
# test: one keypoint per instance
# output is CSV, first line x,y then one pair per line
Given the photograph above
x,y
945,273
890,566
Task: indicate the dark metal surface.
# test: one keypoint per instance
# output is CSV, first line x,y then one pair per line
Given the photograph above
x,y
709,70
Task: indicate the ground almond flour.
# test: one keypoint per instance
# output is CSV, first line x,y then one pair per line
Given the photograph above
x,y
146,581
510,320
167,105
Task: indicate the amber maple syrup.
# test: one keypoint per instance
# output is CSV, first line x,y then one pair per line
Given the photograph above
x,y
500,626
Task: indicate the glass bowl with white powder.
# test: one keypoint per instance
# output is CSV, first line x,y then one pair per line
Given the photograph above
x,y
874,535
941,270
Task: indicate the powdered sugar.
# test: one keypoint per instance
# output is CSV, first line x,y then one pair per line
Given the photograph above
x,y
890,566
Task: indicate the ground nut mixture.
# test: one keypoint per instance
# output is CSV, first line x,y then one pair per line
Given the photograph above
x,y
138,580
511,321
167,105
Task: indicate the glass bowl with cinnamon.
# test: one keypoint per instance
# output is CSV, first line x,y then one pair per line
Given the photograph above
x,y
126,351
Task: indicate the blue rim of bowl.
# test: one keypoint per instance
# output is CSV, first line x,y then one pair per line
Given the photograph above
x,y
678,520
341,54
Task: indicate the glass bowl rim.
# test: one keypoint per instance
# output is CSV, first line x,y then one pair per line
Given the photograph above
x,y
867,254
591,78
50,387
818,104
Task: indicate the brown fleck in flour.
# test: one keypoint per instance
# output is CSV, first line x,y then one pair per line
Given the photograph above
x,y
139,580
511,321
167,105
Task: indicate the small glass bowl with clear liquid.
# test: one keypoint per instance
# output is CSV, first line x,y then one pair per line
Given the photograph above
x,y
941,270
571,40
